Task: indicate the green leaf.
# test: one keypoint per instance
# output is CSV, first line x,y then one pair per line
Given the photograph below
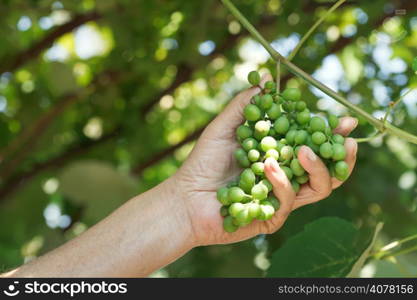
x,y
328,247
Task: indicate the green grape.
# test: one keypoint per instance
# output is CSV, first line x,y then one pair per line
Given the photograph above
x,y
302,179
272,201
297,150
254,78
281,125
244,132
228,224
287,172
295,186
232,184
341,170
249,143
236,208
254,155
303,117
300,137
266,101
247,178
269,85
259,191
296,167
300,106
254,209
258,168
268,143
236,194
290,136
252,112
311,145
289,106
224,211
338,139
223,195
267,212
339,152
286,153
271,131
261,129
333,121
272,153
257,100
242,158
317,124
280,145
328,131
318,138
326,150
283,141
274,112
266,183
291,94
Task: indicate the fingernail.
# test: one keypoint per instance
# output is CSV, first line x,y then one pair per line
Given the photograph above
x,y
310,155
272,163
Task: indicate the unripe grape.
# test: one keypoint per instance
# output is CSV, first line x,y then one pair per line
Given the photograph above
x,y
259,191
249,143
286,152
268,143
248,176
232,183
301,137
317,124
242,158
272,153
338,139
300,106
244,132
341,170
296,167
291,94
267,212
311,145
289,106
252,112
236,208
282,125
303,117
328,131
295,186
258,168
224,211
269,85
256,100
266,101
302,179
254,155
326,150
236,194
254,78
339,152
274,112
266,183
273,201
333,121
254,210
290,136
262,129
318,138
297,150
287,172
228,224
271,132
223,195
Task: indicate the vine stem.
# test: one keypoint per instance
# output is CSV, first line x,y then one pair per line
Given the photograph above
x,y
389,128
278,79
313,28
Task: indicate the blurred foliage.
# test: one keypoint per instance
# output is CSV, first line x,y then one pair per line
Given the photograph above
x,y
100,100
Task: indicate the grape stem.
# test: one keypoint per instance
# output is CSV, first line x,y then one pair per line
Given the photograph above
x,y
313,28
379,124
278,79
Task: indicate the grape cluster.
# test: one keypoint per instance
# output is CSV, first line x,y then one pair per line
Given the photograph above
x,y
277,125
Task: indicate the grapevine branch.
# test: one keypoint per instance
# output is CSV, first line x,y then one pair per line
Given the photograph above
x,y
388,127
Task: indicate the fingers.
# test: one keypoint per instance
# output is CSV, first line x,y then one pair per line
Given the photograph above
x,y
346,126
320,184
351,149
283,190
232,115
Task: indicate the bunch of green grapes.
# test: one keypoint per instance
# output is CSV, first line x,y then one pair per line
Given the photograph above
x,y
277,125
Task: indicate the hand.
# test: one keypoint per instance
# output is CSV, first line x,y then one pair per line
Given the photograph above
x,y
211,165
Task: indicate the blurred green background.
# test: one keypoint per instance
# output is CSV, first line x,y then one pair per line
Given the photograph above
x,y
101,100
